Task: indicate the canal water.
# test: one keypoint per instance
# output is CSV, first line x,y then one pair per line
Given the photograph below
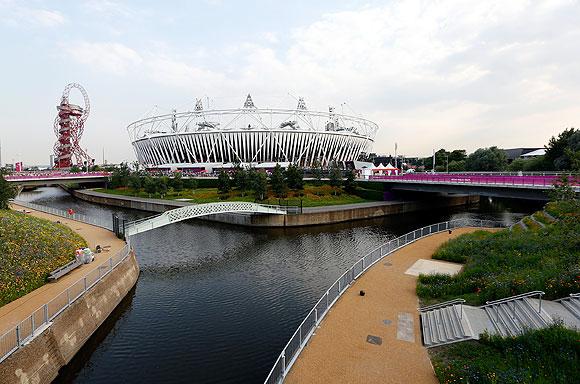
x,y
216,303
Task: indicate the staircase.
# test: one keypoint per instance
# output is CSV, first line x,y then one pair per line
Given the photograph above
x,y
444,324
453,321
572,304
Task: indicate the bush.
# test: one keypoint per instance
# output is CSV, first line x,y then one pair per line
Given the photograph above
x,y
7,192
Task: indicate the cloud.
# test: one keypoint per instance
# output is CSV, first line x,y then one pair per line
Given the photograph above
x,y
15,15
107,57
428,73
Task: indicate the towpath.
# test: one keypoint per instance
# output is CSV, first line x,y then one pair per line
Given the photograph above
x,y
14,312
340,351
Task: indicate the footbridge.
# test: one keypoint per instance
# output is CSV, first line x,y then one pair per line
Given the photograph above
x,y
34,179
198,210
524,186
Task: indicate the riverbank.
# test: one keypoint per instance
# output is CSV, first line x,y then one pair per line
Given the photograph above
x,y
340,350
40,358
309,216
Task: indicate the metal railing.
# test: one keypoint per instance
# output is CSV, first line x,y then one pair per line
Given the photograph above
x,y
41,318
305,330
99,222
517,297
443,305
529,181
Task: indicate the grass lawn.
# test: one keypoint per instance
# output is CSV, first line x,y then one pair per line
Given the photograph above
x,y
30,249
507,263
311,196
546,356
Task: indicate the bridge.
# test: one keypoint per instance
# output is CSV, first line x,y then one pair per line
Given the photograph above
x,y
34,179
192,211
529,186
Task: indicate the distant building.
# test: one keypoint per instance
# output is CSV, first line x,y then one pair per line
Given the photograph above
x,y
536,153
514,153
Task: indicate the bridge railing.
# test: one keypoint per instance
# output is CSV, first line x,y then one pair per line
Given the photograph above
x,y
477,179
23,176
42,318
306,328
99,222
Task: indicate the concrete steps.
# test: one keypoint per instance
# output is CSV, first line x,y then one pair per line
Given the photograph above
x,y
452,321
444,325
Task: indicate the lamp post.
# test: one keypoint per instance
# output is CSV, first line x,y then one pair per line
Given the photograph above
x,y
447,165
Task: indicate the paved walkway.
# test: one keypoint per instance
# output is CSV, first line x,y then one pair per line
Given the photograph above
x,y
339,351
14,312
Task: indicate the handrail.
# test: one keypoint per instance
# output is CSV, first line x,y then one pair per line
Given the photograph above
x,y
304,332
573,295
440,305
511,298
59,212
42,318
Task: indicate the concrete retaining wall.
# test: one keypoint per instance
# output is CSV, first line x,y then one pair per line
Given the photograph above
x,y
40,360
318,217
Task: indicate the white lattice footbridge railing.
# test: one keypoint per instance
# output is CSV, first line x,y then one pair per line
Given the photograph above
x,y
192,211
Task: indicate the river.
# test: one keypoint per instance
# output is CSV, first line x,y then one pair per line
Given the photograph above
x,y
216,303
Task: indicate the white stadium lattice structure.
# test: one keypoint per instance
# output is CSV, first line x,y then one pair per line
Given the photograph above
x,y
250,135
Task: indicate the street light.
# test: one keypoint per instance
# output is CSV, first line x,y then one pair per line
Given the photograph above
x,y
447,166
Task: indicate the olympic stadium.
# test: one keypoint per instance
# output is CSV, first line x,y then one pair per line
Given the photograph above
x,y
250,135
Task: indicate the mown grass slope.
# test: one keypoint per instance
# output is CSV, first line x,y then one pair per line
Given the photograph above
x,y
30,248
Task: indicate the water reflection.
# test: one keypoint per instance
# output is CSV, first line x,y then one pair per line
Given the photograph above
x,y
216,303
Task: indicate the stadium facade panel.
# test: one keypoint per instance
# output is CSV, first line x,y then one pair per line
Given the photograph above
x,y
251,135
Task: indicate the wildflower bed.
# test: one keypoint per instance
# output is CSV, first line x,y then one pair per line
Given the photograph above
x,y
506,263
30,248
550,355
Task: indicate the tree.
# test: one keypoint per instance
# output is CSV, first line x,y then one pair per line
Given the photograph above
x,y
135,182
223,184
295,177
241,179
278,182
490,159
190,183
456,166
162,184
562,191
335,176
562,150
120,176
150,185
75,169
349,183
317,172
177,182
7,192
258,183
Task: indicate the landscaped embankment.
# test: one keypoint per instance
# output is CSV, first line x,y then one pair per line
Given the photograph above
x,y
39,361
534,257
310,216
30,248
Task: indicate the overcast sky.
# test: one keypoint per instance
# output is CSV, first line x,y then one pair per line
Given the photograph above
x,y
431,74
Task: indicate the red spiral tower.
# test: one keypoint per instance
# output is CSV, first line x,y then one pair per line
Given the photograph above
x,y
68,127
